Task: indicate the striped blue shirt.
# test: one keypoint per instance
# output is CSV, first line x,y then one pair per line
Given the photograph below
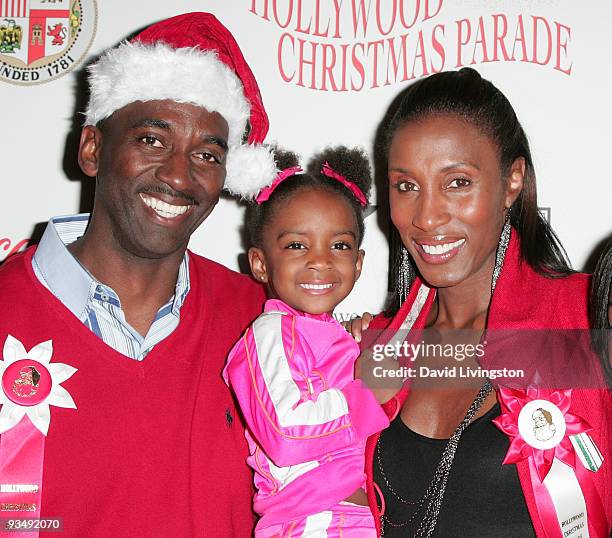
x,y
95,304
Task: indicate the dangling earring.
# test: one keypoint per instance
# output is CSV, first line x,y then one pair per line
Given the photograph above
x,y
405,275
502,246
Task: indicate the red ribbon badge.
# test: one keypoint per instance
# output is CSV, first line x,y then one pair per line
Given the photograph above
x,y
539,425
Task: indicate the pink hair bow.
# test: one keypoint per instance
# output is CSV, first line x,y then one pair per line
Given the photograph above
x,y
266,192
330,172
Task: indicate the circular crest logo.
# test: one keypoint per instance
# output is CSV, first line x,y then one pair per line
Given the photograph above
x,y
41,40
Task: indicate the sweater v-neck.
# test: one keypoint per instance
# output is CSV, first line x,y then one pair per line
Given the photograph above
x,y
98,346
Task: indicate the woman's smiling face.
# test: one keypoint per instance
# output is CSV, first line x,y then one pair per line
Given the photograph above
x,y
449,198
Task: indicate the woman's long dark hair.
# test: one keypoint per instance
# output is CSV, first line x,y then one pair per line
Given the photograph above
x,y
598,308
467,95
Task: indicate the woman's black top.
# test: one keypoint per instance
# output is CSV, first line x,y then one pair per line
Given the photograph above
x,y
483,497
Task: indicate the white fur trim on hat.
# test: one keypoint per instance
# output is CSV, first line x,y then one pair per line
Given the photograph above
x,y
249,169
137,72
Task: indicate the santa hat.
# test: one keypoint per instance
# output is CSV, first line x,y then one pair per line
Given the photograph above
x,y
191,58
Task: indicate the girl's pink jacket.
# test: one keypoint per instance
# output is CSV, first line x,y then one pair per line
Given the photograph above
x,y
307,417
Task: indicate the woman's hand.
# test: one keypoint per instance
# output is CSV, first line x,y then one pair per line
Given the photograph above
x,y
381,375
357,326
366,367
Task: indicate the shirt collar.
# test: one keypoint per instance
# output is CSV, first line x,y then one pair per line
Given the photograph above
x,y
182,285
277,305
69,281
61,272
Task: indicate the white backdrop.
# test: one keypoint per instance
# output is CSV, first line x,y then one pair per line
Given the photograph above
x,y
550,57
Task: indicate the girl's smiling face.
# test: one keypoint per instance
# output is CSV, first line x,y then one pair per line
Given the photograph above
x,y
310,256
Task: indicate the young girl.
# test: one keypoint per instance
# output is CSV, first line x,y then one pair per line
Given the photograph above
x,y
292,372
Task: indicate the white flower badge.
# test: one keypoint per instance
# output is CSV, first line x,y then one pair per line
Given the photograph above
x,y
30,384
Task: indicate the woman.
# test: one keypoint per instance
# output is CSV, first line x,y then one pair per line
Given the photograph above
x,y
473,253
601,310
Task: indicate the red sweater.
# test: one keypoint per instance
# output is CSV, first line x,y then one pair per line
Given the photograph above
x,y
154,448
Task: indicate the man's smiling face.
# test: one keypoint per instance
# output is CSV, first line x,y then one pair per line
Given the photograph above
x,y
160,168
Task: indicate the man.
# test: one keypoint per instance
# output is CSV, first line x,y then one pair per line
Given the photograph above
x,y
125,427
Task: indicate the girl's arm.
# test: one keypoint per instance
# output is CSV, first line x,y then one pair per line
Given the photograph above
x,y
293,422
